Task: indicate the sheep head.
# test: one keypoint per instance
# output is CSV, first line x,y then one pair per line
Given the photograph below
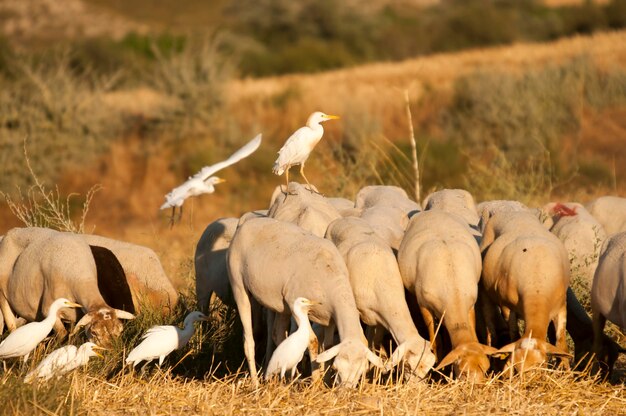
x,y
416,357
528,353
352,359
102,325
469,361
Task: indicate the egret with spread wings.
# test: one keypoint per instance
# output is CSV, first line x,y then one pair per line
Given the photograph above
x,y
300,144
203,182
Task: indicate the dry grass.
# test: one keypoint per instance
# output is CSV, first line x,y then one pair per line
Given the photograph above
x,y
543,392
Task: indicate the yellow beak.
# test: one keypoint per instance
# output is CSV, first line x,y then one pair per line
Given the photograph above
x,y
331,117
73,305
220,180
99,348
312,303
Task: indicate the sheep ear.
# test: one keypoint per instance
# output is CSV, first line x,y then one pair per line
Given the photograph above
x,y
123,314
374,359
398,354
552,350
450,358
328,354
84,321
502,352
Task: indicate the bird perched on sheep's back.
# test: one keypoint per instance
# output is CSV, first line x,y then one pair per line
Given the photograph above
x,y
160,341
299,145
290,352
63,360
204,182
22,341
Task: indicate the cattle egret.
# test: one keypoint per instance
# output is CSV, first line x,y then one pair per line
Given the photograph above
x,y
299,145
22,341
203,182
290,352
161,340
63,360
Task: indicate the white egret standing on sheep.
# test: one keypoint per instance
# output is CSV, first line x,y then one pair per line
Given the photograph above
x,y
203,182
160,341
290,352
299,145
22,341
63,360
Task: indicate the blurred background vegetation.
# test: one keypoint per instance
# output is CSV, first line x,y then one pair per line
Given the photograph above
x,y
139,95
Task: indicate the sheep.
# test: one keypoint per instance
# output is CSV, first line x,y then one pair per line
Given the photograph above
x,y
147,280
580,329
454,201
383,195
487,209
526,272
610,211
341,204
299,206
581,235
608,293
277,262
378,291
62,265
388,222
440,264
210,262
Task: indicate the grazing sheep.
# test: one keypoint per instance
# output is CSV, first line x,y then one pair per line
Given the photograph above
x,y
581,235
388,223
341,204
440,264
388,196
610,211
277,262
147,280
580,328
454,201
210,262
299,206
378,291
608,292
62,265
487,209
526,273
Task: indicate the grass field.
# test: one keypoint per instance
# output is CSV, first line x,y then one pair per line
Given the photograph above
x,y
138,140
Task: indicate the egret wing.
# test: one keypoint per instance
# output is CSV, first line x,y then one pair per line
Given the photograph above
x,y
245,151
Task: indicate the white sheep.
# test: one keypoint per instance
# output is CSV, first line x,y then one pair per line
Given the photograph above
x,y
379,293
610,211
210,262
277,262
608,292
440,264
581,235
526,273
487,209
454,201
299,206
384,195
388,222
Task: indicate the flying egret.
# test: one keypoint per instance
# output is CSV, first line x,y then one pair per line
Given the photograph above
x,y
290,352
299,145
203,182
22,341
63,360
161,340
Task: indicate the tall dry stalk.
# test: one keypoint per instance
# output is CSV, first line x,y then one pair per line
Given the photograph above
x,y
413,147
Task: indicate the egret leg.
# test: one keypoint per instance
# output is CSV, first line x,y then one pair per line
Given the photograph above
x,y
172,217
307,181
287,193
180,214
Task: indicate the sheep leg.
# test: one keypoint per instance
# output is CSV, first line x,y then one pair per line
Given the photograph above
x,y
9,317
561,341
598,336
282,322
313,350
242,297
511,318
430,323
269,343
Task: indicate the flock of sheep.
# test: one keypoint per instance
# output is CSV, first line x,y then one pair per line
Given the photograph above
x,y
382,262
477,269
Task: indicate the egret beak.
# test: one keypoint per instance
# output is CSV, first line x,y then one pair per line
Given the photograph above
x,y
220,180
331,117
73,305
96,347
312,303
